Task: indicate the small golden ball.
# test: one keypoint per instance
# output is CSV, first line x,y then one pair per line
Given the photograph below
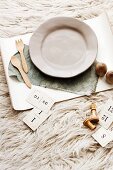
x,y
101,69
109,77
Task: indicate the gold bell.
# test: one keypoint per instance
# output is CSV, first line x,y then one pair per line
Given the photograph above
x,y
93,119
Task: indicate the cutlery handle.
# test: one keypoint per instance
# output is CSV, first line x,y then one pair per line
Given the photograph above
x,y
24,64
25,77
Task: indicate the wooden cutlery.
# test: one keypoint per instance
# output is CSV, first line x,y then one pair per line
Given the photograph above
x,y
16,63
20,48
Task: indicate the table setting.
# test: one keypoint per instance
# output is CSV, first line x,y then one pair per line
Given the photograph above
x,y
60,84
63,61
63,56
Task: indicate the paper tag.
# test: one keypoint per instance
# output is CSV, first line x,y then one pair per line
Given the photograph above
x,y
103,136
111,129
40,100
35,118
106,115
31,120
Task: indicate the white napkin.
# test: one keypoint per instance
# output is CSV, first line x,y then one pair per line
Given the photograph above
x,y
19,91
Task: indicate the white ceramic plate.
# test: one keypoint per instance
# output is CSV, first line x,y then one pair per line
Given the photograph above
x,y
63,47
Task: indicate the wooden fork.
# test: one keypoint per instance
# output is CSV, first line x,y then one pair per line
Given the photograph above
x,y
20,48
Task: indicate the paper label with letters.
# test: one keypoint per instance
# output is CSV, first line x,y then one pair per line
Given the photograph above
x,y
35,118
103,136
106,114
42,104
40,100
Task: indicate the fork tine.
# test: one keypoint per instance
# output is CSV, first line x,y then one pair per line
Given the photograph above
x,y
21,41
16,42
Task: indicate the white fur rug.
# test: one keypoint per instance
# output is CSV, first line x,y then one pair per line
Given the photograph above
x,y
61,142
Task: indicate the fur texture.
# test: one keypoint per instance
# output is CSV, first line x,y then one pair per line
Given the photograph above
x,y
61,142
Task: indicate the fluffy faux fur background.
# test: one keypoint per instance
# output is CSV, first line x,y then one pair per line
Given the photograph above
x,y
61,142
